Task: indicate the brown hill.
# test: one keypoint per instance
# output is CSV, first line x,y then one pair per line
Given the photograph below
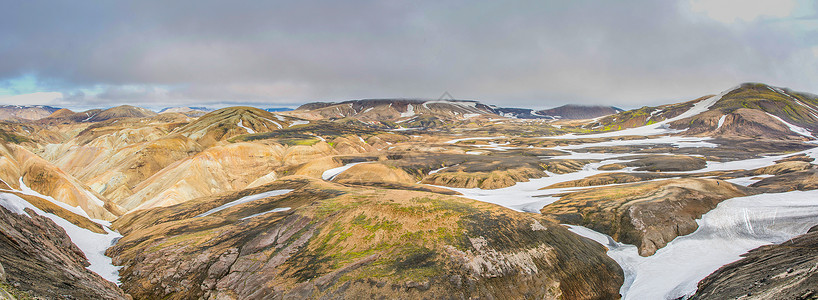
x,y
226,123
337,241
122,111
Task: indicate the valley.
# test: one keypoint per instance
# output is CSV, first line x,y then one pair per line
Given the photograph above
x,y
403,198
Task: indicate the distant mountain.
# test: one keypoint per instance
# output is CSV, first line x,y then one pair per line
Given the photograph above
x,y
182,109
25,113
190,111
578,112
399,113
122,111
278,109
519,113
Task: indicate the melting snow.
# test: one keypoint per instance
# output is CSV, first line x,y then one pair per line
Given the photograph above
x,y
280,209
241,124
299,122
91,243
409,111
793,128
475,138
734,227
331,173
721,121
678,141
747,181
274,122
245,199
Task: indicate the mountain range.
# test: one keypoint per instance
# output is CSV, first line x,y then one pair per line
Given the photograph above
x,y
404,198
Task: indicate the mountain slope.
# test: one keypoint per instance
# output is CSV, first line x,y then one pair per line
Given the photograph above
x,y
122,111
758,111
23,170
310,239
749,110
226,123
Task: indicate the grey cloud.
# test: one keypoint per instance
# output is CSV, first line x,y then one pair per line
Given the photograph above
x,y
521,53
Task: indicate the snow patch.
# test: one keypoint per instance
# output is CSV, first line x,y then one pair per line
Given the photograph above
x,y
475,138
409,111
299,122
280,209
734,227
241,124
245,199
721,121
92,244
331,173
793,128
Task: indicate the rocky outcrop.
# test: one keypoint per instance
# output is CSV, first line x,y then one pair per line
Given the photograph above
x,y
618,178
343,242
666,163
743,122
648,215
373,172
801,181
39,258
484,180
783,271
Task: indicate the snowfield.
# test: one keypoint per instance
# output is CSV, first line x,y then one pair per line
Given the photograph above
x,y
92,244
734,227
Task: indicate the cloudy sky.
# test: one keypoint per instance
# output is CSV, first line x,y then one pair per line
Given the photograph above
x,y
538,54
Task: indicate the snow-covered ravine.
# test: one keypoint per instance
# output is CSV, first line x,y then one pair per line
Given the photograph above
x,y
734,227
92,244
527,196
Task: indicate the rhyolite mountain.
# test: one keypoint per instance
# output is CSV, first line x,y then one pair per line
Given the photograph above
x,y
397,198
25,112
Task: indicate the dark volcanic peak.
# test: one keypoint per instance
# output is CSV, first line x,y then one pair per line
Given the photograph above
x,y
572,111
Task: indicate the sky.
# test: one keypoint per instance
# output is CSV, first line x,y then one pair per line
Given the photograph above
x,y
535,54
